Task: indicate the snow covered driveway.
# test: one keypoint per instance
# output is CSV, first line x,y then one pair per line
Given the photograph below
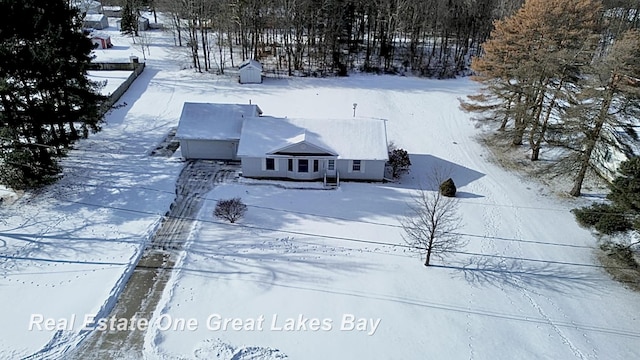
x,y
147,282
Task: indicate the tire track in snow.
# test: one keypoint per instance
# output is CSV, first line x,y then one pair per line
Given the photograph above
x,y
144,289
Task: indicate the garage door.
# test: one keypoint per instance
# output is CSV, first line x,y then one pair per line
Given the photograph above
x,y
208,149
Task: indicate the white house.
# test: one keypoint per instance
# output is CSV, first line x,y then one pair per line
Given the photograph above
x,y
96,21
212,131
250,72
312,149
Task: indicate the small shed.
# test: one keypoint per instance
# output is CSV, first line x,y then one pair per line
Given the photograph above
x,y
101,41
212,131
143,23
96,21
250,72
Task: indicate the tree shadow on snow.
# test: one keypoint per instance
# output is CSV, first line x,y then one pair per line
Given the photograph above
x,y
120,111
369,81
269,260
521,274
467,195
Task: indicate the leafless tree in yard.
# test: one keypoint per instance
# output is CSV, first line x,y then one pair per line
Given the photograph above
x,y
432,224
144,44
230,209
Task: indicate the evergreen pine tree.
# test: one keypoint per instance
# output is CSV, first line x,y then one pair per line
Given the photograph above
x,y
625,189
129,21
399,161
625,203
46,100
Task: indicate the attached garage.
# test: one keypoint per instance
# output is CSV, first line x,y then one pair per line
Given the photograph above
x,y
208,149
212,131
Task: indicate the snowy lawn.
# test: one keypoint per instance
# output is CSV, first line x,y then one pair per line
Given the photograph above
x,y
527,285
521,289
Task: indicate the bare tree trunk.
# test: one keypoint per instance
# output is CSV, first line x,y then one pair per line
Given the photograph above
x,y
205,46
592,140
427,260
178,29
536,143
505,120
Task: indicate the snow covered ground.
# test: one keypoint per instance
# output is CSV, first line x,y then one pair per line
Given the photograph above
x,y
526,286
110,78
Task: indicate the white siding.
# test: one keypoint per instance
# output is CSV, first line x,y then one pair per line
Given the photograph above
x,y
250,75
255,167
369,170
208,149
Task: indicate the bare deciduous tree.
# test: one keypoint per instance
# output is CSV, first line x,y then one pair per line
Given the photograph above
x,y
432,224
230,209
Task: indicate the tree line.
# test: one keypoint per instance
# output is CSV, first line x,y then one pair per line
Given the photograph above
x,y
432,38
563,74
556,73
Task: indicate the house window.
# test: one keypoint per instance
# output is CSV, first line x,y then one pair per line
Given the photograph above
x,y
270,164
290,165
303,165
331,165
315,165
357,165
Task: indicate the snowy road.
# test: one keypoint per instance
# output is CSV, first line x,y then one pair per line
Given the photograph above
x,y
143,290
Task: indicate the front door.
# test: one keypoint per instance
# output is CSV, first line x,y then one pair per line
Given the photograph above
x,y
331,167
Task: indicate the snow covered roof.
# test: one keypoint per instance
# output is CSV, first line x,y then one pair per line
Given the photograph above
x,y
95,17
356,138
250,62
206,121
311,140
